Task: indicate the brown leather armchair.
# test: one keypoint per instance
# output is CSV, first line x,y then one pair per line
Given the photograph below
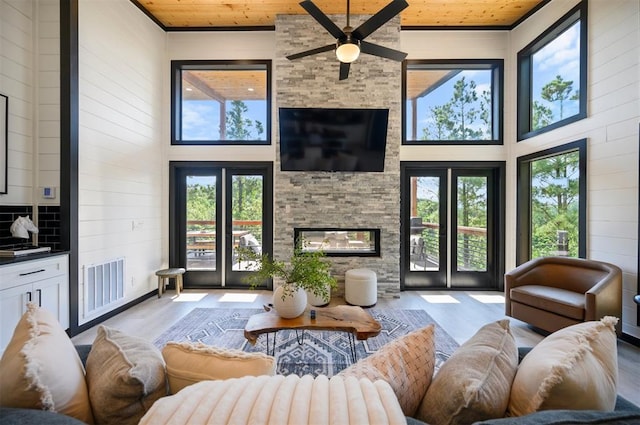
x,y
551,293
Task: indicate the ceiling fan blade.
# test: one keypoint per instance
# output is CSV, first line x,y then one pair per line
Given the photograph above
x,y
322,49
322,19
379,19
384,52
344,70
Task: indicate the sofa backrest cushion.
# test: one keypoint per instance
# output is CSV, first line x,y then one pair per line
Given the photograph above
x,y
40,368
280,400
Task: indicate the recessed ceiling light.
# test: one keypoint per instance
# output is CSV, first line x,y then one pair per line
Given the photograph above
x,y
188,89
250,89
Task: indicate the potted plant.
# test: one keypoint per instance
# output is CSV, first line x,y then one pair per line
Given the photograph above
x,y
305,271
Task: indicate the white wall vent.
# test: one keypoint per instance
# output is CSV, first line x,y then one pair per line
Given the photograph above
x,y
104,284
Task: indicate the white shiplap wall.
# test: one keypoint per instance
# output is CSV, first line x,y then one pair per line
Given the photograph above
x,y
122,58
48,103
611,130
17,81
30,76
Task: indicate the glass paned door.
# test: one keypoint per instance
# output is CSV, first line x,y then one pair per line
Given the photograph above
x,y
450,222
246,225
473,235
200,229
214,209
427,253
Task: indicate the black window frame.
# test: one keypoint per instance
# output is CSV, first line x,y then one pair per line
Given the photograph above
x,y
177,66
523,199
524,70
497,101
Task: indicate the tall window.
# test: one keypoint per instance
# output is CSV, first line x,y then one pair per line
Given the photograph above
x,y
552,202
552,78
221,102
452,102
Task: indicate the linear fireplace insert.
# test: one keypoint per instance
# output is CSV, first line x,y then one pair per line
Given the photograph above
x,y
339,242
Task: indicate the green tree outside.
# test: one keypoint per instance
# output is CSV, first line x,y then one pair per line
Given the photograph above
x,y
472,212
554,203
557,90
238,127
466,116
201,204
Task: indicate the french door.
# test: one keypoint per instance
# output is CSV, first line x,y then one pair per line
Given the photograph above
x,y
214,209
452,222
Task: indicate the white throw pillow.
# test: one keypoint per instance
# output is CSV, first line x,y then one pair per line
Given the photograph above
x,y
188,363
41,369
573,368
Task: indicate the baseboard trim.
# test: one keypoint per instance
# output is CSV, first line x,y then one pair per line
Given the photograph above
x,y
630,339
79,329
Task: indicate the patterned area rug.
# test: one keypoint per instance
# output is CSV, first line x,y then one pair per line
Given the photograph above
x,y
322,352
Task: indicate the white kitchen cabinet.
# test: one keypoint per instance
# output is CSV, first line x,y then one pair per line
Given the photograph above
x,y
43,281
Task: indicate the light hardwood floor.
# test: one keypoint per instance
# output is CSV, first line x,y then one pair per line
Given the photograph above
x,y
460,313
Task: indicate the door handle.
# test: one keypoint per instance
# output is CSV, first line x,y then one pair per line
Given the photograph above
x,y
29,296
39,291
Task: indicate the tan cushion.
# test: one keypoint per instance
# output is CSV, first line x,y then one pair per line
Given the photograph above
x,y
475,382
189,363
40,368
125,376
573,368
406,363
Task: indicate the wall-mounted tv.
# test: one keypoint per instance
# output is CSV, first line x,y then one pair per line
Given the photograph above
x,y
324,139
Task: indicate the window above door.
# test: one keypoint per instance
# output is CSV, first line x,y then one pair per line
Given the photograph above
x,y
221,102
452,102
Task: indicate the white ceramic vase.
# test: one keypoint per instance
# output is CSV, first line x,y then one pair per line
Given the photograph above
x,y
317,301
292,306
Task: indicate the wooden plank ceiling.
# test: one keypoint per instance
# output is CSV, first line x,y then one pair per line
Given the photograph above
x,y
256,13
244,14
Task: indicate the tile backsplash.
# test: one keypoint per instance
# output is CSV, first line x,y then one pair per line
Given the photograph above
x,y
48,224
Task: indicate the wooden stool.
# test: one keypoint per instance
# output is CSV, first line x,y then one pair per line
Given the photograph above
x,y
168,274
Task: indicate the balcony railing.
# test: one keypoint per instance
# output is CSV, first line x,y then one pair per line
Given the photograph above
x,y
471,246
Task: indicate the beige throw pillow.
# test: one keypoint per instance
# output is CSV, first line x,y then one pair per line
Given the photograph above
x,y
188,363
573,368
40,368
405,363
125,376
475,382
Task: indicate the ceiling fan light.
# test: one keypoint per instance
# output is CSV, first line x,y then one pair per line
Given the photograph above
x,y
348,52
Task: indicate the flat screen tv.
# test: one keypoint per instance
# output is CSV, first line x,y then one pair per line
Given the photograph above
x,y
323,139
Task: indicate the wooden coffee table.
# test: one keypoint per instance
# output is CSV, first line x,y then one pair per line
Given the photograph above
x,y
344,318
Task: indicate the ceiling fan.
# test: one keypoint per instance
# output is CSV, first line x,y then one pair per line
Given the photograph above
x,y
350,42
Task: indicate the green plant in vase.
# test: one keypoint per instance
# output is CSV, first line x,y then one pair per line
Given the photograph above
x,y
305,270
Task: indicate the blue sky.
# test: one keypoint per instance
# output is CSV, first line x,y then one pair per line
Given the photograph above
x,y
560,57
